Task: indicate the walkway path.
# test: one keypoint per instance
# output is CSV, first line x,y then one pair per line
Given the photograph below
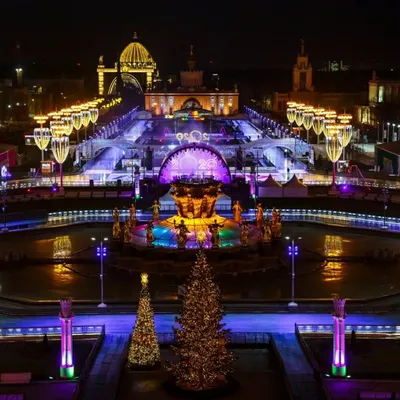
x,y
300,376
102,382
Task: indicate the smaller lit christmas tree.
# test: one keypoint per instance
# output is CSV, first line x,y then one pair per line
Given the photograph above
x,y
144,351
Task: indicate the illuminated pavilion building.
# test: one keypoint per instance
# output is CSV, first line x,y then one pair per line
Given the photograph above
x,y
136,66
192,95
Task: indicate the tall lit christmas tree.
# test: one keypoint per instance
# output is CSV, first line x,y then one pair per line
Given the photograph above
x,y
144,350
204,360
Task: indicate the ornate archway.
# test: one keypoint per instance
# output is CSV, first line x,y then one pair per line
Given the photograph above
x,y
194,160
191,103
128,80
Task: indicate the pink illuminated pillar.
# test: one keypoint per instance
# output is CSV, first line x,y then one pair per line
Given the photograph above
x,y
66,315
339,333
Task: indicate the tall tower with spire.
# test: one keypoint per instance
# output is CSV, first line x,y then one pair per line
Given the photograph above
x,y
191,77
18,66
302,72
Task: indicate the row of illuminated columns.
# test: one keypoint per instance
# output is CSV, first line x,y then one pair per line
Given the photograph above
x,y
337,129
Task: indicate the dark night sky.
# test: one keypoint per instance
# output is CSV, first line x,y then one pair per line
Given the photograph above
x,y
245,34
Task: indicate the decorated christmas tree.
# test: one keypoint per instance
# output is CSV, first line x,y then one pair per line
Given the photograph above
x,y
201,338
144,350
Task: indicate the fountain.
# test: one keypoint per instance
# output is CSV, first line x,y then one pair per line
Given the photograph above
x,y
196,174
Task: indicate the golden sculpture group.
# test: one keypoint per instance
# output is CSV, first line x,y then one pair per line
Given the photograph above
x,y
195,202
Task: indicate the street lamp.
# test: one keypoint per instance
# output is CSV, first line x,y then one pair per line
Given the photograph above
x,y
346,131
308,117
86,117
101,251
299,114
94,114
318,122
59,145
42,138
333,148
293,251
291,112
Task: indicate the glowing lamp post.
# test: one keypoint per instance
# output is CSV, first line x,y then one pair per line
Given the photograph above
x,y
299,114
76,120
293,251
308,117
42,138
59,146
94,116
86,116
291,112
101,252
67,120
339,349
347,131
318,122
66,315
333,149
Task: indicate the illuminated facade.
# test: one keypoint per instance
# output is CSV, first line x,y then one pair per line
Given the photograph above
x,y
191,94
137,70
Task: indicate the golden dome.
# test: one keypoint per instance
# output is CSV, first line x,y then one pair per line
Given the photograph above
x,y
135,53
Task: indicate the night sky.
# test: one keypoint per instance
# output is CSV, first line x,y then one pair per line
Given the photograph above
x,y
246,34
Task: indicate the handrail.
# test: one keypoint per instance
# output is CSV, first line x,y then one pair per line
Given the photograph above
x,y
89,363
313,362
328,328
241,338
283,369
51,330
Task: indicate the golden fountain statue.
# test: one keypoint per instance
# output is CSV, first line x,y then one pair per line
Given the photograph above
x,y
196,200
116,230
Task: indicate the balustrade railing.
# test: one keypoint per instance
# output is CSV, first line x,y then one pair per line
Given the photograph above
x,y
51,330
328,328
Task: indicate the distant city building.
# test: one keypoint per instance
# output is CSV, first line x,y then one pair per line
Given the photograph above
x,y
335,66
383,99
303,90
23,96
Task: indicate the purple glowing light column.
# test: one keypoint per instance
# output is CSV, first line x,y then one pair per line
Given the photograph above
x,y
339,333
66,315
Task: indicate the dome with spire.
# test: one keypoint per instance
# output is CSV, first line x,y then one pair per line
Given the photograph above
x,y
135,54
